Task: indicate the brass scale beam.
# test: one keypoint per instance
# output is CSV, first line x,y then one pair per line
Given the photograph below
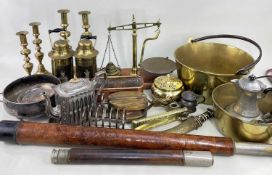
x,y
134,27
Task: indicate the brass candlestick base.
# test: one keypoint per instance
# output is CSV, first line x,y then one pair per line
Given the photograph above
x,y
39,54
28,66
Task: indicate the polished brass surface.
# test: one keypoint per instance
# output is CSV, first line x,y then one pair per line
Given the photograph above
x,y
203,66
166,89
192,123
134,27
144,43
112,70
159,119
62,60
85,22
64,23
39,54
86,59
237,128
28,66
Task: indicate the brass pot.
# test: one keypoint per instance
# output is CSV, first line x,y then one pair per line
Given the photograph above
x,y
203,66
237,128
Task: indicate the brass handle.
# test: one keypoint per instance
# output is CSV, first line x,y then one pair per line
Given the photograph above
x,y
244,70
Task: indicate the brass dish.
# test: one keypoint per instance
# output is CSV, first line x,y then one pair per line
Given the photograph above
x,y
238,129
203,66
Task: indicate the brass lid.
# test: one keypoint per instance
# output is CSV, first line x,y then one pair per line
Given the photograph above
x,y
61,50
168,83
85,49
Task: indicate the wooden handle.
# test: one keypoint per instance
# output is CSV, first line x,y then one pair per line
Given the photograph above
x,y
56,134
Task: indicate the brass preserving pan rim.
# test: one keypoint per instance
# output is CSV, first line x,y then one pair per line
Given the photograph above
x,y
209,72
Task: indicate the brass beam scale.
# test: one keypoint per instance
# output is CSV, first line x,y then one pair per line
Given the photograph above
x,y
134,27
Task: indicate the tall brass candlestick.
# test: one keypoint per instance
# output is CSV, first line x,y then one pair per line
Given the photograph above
x,y
39,54
85,21
28,66
64,23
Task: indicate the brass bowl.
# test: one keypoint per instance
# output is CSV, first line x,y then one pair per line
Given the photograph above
x,y
203,66
238,129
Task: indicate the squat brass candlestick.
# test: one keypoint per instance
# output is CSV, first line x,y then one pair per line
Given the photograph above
x,y
85,22
64,23
39,54
28,66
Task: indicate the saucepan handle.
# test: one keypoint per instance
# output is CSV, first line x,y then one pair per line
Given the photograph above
x,y
245,70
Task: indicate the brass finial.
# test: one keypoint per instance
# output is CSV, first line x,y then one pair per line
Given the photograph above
x,y
39,54
85,22
28,66
64,23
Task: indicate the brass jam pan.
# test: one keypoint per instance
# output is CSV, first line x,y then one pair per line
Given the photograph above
x,y
203,66
239,129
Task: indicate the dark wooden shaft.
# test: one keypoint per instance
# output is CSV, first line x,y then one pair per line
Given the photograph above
x,y
125,156
56,134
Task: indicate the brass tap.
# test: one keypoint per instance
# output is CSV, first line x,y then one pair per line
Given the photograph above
x,y
39,54
28,66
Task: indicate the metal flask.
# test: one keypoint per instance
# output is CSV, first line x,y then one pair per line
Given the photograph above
x,y
62,60
249,91
85,57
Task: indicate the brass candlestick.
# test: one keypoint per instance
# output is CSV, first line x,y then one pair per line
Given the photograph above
x,y
39,55
64,23
28,66
85,22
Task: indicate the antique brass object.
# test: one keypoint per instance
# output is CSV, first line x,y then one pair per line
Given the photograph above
x,y
159,119
28,66
254,130
85,22
134,27
192,123
64,23
85,55
166,89
203,66
111,68
39,54
62,60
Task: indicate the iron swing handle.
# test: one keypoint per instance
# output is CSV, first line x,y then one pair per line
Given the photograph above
x,y
244,70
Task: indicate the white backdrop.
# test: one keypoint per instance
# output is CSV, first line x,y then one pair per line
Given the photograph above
x,y
180,19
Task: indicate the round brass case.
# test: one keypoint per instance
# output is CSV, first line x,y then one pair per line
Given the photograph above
x,y
166,89
86,59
